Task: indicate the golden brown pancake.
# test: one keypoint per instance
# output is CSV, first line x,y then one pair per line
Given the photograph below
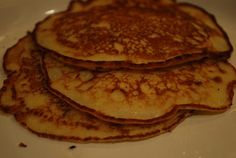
x,y
24,96
143,96
116,36
80,105
76,5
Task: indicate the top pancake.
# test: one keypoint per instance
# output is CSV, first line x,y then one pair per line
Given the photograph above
x,y
80,5
138,36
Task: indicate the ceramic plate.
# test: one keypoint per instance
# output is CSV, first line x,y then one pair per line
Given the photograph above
x,y
197,137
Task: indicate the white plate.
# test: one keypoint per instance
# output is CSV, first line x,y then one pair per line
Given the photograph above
x,y
197,137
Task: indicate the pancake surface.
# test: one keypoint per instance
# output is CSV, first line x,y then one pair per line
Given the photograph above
x,y
143,96
132,36
76,5
24,96
67,102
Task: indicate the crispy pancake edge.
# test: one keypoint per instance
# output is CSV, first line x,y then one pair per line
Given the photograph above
x,y
111,65
88,2
230,93
115,139
19,116
117,65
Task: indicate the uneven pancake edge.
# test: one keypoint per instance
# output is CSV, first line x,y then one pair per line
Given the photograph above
x,y
9,73
114,65
152,65
181,118
95,139
87,3
10,109
213,18
5,56
22,112
100,115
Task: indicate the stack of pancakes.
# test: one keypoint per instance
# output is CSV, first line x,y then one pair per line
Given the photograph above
x,y
115,70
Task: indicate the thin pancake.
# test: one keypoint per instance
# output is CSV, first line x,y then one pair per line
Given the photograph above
x,y
24,96
143,96
76,5
135,37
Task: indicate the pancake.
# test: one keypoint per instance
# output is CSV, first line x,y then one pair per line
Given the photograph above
x,y
76,5
131,96
121,35
25,96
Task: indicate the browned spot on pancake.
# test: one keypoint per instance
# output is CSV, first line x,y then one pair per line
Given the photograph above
x,y
191,82
134,31
198,83
217,79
